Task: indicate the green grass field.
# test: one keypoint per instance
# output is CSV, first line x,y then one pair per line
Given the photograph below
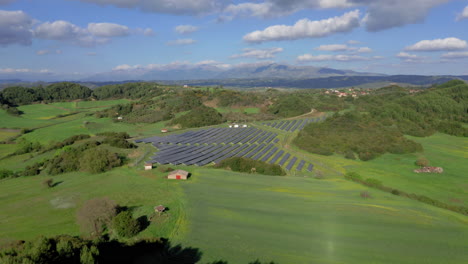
x,y
29,209
239,218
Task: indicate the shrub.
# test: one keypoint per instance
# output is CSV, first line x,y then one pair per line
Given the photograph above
x,y
125,225
373,183
422,162
350,155
99,160
247,165
353,176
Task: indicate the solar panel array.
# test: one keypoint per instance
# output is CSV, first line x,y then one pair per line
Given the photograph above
x,y
293,125
213,145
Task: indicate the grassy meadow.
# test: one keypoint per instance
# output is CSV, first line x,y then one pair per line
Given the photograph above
x,y
237,217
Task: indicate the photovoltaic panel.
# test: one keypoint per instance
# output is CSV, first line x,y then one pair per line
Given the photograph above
x,y
310,167
291,163
284,159
300,165
276,157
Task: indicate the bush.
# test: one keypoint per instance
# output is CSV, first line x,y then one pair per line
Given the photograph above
x,y
350,155
422,162
99,160
353,176
125,225
247,165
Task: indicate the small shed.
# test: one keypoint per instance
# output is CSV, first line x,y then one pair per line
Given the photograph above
x,y
164,130
178,175
148,166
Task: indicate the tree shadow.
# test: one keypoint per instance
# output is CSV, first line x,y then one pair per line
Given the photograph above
x,y
144,222
149,251
56,184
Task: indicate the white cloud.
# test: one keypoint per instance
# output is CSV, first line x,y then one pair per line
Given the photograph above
x,y
455,55
176,7
260,54
353,42
463,14
381,14
333,47
178,42
23,70
94,34
15,28
108,30
341,58
364,50
408,56
186,29
446,44
306,29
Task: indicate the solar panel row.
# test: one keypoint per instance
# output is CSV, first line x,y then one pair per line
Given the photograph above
x,y
291,126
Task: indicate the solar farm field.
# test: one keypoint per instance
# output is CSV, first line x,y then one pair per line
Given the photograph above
x,y
212,145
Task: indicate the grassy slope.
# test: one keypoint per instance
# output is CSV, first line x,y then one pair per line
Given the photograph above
x,y
240,218
442,150
29,209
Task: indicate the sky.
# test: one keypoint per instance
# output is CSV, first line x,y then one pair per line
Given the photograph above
x,y
72,39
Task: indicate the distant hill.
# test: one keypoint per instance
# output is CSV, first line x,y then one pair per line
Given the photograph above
x,y
327,82
243,71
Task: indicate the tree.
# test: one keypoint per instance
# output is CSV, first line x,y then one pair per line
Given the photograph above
x,y
96,214
125,225
99,160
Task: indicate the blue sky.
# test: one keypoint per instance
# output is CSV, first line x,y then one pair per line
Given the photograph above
x,y
77,38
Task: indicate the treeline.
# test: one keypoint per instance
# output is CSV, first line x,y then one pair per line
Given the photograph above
x,y
247,165
354,134
75,250
379,121
374,183
443,108
88,156
199,117
63,91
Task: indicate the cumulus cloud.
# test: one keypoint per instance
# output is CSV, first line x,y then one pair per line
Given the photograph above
x,y
333,47
94,34
178,42
260,54
276,8
380,14
446,44
388,14
186,29
463,14
455,55
15,28
306,29
408,56
175,7
364,50
341,58
108,30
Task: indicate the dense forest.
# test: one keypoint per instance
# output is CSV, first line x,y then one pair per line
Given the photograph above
x,y
378,123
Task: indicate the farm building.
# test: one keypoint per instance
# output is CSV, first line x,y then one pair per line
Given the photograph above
x,y
178,175
148,166
164,130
